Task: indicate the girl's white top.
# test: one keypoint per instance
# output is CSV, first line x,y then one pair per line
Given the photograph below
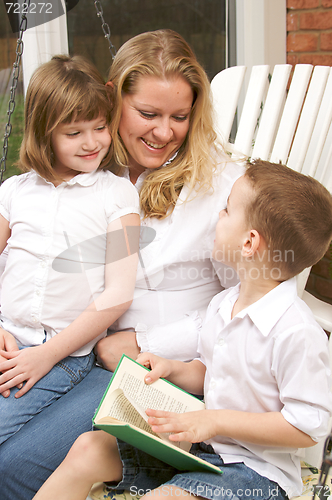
x,y
177,277
48,281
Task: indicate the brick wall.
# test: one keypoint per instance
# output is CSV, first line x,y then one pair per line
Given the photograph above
x,y
309,41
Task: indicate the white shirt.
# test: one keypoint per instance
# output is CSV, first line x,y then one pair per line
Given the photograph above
x,y
41,293
270,357
179,277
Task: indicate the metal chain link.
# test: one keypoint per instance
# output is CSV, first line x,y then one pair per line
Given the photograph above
x,y
105,27
11,104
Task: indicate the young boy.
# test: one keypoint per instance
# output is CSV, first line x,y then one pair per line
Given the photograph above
x,y
263,362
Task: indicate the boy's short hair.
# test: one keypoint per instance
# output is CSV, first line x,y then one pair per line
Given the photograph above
x,y
293,213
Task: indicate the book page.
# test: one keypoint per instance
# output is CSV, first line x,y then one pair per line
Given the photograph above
x,y
160,395
122,409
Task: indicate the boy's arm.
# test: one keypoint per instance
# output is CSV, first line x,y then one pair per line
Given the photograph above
x,y
33,363
264,429
187,375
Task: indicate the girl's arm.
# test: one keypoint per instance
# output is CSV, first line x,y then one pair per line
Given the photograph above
x,y
33,363
7,341
264,429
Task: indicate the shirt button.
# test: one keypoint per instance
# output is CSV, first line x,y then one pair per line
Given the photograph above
x,y
221,341
212,384
34,319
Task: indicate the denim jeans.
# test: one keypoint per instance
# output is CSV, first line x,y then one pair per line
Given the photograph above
x,y
143,473
30,456
15,413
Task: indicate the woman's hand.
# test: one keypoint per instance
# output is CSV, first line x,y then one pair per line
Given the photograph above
x,y
8,344
27,365
193,426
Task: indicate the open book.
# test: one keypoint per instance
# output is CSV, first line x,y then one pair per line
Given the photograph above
x,y
121,413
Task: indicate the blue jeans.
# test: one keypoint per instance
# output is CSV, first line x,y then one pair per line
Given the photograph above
x,y
30,456
142,473
15,413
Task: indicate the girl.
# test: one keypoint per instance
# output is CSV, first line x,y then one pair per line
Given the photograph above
x,y
71,264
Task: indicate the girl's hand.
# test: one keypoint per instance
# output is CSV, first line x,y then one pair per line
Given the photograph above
x,y
7,343
27,365
193,426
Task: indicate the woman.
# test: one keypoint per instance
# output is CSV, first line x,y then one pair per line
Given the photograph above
x,y
164,142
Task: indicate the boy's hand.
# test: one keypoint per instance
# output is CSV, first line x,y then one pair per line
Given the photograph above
x,y
160,367
193,426
9,344
27,365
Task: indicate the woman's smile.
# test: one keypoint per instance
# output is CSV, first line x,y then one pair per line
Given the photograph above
x,y
155,121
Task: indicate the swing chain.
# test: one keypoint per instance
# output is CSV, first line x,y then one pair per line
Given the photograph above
x,y
13,88
105,27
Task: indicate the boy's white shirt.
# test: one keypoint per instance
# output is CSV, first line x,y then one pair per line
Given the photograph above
x,y
272,356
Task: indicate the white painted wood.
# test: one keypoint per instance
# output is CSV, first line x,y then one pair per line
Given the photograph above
x,y
308,118
318,139
225,87
272,110
291,113
251,109
42,42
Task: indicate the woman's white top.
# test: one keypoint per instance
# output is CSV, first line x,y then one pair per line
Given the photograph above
x,y
176,277
43,293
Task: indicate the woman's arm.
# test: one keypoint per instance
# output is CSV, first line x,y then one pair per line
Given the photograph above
x,y
120,275
176,340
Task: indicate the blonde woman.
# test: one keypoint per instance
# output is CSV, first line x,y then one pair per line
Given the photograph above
x,y
165,144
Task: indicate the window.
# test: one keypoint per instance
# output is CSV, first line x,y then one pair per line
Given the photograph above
x,y
200,22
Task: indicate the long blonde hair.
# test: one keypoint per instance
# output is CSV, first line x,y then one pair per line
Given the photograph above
x,y
62,90
165,54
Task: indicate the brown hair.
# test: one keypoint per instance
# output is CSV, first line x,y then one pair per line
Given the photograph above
x,y
62,90
165,54
293,213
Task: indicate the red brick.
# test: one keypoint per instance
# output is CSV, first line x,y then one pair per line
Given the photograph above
x,y
324,287
302,42
292,22
327,3
316,20
315,59
292,59
326,41
302,4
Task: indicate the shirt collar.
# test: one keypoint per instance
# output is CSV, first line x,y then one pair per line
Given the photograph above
x,y
267,311
82,179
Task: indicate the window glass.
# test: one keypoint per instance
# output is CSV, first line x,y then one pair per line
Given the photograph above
x,y
200,22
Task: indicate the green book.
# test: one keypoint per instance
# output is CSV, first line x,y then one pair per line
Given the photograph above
x,y
121,413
